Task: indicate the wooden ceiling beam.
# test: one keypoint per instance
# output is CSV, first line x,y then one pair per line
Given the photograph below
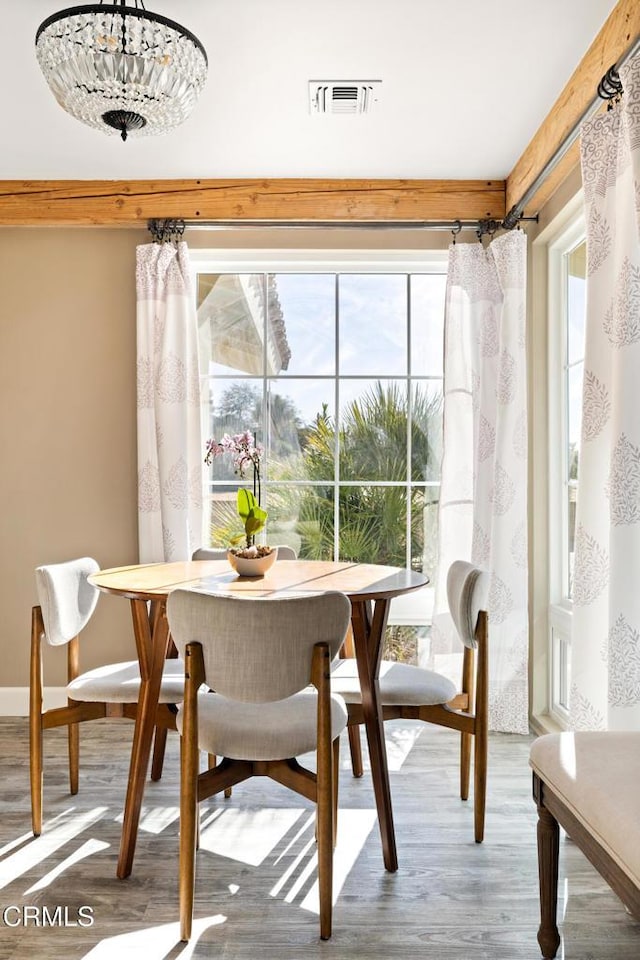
x,y
133,202
618,34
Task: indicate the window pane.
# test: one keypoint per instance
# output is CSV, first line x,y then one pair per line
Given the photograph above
x,y
302,517
373,324
574,418
572,496
576,294
306,308
565,674
222,520
373,430
231,322
427,324
424,530
301,430
235,406
401,643
373,524
426,433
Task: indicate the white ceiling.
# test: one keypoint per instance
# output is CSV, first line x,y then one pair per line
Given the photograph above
x,y
465,85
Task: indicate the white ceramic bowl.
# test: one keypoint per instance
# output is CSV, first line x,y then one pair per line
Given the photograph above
x,y
252,566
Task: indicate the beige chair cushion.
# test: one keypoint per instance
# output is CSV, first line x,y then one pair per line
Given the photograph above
x,y
400,683
262,731
120,683
597,776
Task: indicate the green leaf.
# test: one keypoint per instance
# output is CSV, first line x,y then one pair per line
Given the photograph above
x,y
255,522
246,502
253,516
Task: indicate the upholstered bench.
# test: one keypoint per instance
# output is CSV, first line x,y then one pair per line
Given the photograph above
x,y
589,783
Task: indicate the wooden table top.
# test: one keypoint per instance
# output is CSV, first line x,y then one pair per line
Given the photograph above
x,y
362,581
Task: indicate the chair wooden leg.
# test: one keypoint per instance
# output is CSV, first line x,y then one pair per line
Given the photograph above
x,y
325,791
73,669
189,773
324,828
548,851
355,748
479,783
213,762
74,756
468,672
336,775
465,764
35,767
159,747
481,727
35,721
188,830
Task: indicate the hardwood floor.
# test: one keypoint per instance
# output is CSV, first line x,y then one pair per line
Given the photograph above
x,y
255,899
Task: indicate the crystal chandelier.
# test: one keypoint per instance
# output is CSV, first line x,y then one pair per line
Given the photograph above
x,y
120,68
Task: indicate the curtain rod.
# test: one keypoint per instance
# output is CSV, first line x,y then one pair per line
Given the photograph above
x,y
170,229
609,88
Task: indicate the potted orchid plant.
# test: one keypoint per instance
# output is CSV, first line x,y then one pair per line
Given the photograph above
x,y
246,454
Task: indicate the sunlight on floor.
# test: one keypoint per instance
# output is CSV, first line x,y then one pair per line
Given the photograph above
x,y
53,837
87,849
155,819
399,740
354,826
153,943
248,835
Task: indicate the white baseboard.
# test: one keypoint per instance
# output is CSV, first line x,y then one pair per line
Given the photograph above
x,y
14,701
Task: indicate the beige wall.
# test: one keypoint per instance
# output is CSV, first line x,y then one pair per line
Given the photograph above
x,y
67,425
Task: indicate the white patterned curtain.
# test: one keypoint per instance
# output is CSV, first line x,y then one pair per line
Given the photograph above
x,y
483,498
605,684
170,453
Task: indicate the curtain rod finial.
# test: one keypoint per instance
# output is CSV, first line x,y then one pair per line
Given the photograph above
x,y
164,230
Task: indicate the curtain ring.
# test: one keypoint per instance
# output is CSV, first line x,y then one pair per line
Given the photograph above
x,y
455,230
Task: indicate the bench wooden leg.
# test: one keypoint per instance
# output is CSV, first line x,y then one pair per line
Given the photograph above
x,y
548,852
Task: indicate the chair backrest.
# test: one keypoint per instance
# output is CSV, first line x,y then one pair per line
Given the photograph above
x,y
216,553
67,599
258,650
467,588
286,553
209,553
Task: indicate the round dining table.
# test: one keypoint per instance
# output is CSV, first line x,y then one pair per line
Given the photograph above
x,y
370,588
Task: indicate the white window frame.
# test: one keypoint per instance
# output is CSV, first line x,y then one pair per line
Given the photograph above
x,y
415,608
560,612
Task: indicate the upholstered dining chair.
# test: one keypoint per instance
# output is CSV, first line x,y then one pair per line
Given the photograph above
x,y
587,783
259,655
414,693
210,553
67,602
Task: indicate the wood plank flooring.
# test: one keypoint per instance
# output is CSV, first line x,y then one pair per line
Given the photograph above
x,y
450,900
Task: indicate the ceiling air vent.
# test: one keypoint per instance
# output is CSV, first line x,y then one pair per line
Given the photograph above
x,y
343,96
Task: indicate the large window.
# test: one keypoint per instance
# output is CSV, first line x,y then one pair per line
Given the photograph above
x,y
567,289
337,368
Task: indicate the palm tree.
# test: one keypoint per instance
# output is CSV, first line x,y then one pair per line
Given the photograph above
x,y
373,443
